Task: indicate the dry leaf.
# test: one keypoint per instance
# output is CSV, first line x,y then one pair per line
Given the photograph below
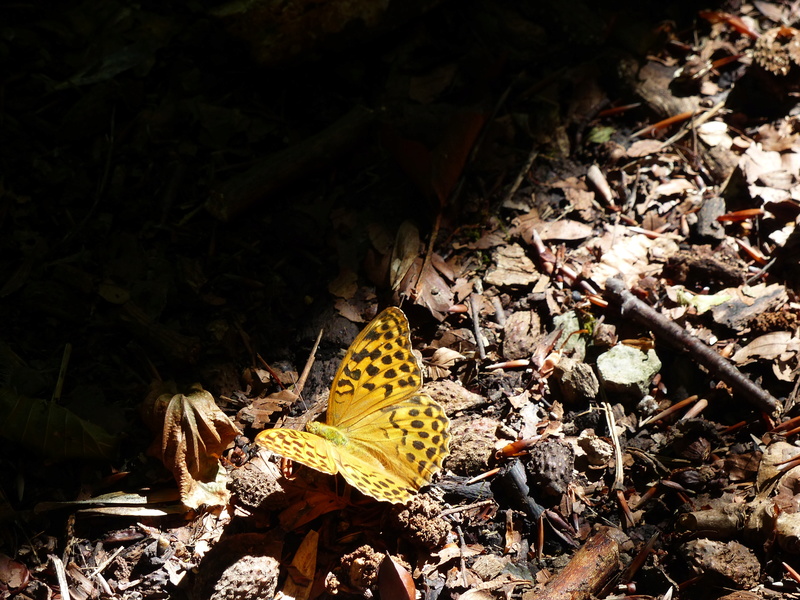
x,y
345,285
511,267
191,434
301,571
439,364
404,253
629,255
14,576
673,187
565,229
433,291
394,581
767,347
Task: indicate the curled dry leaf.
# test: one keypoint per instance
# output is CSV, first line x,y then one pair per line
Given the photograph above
x,y
442,360
432,291
394,581
191,434
404,253
301,571
14,576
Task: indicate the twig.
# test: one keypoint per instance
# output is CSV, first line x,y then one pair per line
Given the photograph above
x,y
668,411
499,313
458,509
102,566
61,576
462,546
520,176
270,370
679,339
587,572
301,383
476,322
612,431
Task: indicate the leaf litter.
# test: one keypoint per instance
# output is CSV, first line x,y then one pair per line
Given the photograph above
x,y
592,456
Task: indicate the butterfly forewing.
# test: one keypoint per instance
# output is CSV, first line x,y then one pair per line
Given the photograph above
x,y
378,370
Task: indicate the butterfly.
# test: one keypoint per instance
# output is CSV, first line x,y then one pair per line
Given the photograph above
x,y
380,433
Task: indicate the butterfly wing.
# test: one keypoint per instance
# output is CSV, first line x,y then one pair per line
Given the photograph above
x,y
373,480
406,442
378,370
300,446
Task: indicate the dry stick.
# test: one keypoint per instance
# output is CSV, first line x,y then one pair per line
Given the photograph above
x,y
612,431
301,383
520,176
458,509
61,576
586,573
476,317
678,338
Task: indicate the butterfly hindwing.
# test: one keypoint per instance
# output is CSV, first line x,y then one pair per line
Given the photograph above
x,y
300,446
412,438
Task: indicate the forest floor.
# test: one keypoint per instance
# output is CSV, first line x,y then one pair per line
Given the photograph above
x,y
588,217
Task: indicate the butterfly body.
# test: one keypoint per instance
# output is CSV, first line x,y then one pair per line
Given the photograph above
x,y
383,436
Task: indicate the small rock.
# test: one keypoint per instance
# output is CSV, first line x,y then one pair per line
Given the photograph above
x,y
576,380
521,333
453,396
421,521
708,228
627,371
472,445
599,452
489,566
570,343
361,566
240,567
730,563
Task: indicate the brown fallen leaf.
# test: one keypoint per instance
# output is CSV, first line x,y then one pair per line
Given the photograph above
x,y
433,292
301,571
191,434
440,363
767,347
394,581
404,253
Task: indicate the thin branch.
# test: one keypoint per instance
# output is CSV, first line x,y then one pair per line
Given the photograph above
x,y
679,339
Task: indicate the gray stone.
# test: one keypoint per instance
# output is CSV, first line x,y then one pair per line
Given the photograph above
x,y
627,372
